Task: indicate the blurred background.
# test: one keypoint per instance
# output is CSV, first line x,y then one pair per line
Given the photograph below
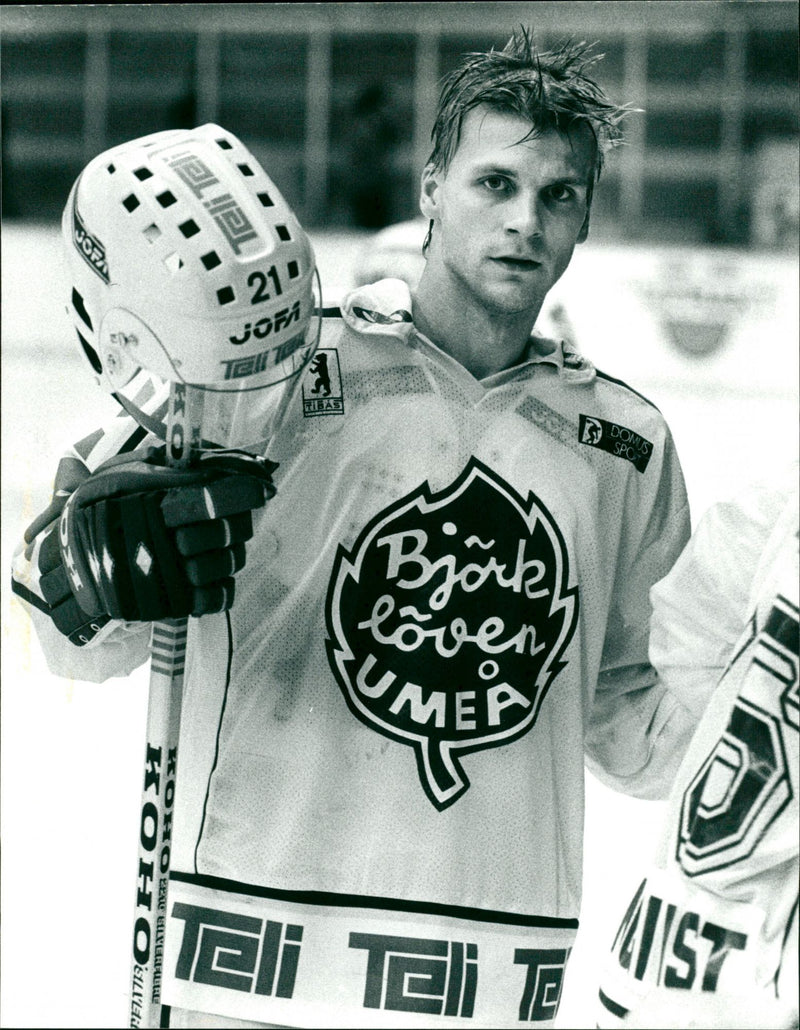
x,y
687,289
337,99
691,266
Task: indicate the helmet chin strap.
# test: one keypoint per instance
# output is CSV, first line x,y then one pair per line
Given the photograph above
x,y
152,425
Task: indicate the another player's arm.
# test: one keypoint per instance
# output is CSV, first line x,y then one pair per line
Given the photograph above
x,y
698,605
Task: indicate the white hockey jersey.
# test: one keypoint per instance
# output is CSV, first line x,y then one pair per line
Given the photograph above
x,y
717,915
445,608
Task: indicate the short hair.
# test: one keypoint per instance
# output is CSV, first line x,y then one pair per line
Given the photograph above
x,y
552,90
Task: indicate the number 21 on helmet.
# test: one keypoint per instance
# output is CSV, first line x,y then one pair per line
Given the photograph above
x,y
185,264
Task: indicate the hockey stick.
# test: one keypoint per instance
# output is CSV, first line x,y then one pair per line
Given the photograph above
x,y
246,233
168,653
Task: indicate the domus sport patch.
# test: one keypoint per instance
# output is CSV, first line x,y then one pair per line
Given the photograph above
x,y
615,439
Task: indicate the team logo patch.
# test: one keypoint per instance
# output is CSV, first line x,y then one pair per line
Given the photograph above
x,y
322,385
616,440
449,619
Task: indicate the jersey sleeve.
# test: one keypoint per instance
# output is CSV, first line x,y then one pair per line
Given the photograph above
x,y
700,607
74,644
638,727
716,915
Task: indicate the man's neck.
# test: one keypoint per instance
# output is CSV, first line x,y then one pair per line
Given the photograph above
x,y
484,342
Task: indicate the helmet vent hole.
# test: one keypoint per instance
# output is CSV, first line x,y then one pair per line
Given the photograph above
x,y
173,263
130,203
294,271
77,303
91,354
111,169
224,144
211,260
166,199
266,199
225,295
151,233
143,173
246,170
189,228
283,233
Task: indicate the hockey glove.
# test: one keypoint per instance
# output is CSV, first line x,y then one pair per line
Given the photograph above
x,y
142,541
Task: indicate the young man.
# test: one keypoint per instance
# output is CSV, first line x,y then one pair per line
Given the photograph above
x,y
710,937
444,611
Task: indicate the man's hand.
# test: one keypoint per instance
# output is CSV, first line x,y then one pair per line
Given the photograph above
x,y
141,541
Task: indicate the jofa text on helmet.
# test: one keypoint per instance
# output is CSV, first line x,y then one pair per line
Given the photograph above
x,y
264,326
89,247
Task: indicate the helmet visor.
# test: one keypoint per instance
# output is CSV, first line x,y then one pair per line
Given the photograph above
x,y
243,412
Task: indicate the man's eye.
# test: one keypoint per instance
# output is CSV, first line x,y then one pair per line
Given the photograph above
x,y
495,183
561,193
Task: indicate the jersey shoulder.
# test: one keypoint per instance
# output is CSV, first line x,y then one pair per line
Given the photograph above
x,y
620,391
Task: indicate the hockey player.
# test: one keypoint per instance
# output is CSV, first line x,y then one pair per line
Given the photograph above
x,y
444,611
710,936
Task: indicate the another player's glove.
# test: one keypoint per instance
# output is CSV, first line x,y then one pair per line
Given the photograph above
x,y
142,541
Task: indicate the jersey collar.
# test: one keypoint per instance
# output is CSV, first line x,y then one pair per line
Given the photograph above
x,y
384,308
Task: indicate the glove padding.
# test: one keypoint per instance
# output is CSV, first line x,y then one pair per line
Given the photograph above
x,y
142,541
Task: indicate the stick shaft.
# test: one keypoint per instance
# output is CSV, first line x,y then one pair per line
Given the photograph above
x,y
168,658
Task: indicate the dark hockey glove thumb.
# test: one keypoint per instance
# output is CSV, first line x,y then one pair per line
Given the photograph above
x,y
143,541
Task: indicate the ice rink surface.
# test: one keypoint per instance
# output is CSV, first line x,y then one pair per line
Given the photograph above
x,y
72,751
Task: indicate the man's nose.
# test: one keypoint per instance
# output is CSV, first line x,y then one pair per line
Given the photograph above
x,y
524,215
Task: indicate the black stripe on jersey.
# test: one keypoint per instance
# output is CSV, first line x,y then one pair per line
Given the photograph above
x,y
140,432
793,916
333,312
219,730
331,899
28,595
613,1007
624,385
155,424
133,440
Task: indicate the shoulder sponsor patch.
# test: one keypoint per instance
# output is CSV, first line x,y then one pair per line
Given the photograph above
x,y
615,439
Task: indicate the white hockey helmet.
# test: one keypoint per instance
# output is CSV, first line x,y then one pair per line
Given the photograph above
x,y
185,261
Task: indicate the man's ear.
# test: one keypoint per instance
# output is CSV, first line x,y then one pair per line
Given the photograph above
x,y
429,192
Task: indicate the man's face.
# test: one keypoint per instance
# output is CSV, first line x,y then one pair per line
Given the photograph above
x,y
507,213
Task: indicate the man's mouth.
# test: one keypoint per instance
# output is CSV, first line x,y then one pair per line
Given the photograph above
x,y
520,264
